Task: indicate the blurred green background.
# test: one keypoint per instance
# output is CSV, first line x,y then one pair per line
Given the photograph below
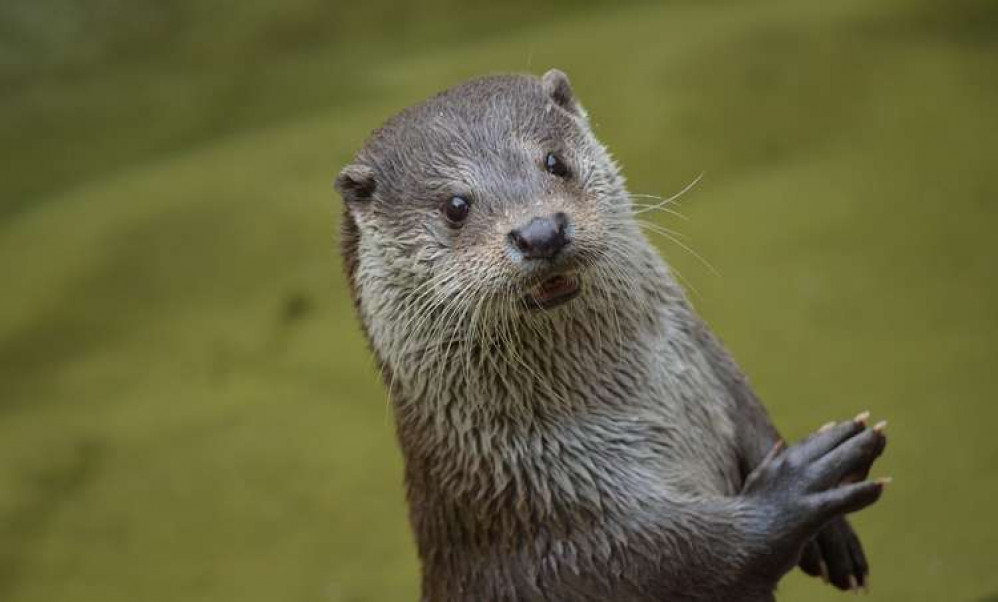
x,y
187,409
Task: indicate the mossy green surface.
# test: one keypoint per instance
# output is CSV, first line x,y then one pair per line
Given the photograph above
x,y
188,410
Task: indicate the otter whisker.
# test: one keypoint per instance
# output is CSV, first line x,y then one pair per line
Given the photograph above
x,y
479,333
659,228
473,330
417,313
674,237
503,340
674,197
666,233
625,279
645,208
510,343
632,279
514,343
685,282
422,349
606,291
452,317
430,330
420,293
422,306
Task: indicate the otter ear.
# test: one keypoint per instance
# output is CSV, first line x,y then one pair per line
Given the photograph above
x,y
356,183
559,89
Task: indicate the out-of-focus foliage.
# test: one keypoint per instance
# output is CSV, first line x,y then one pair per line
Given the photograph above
x,y
187,409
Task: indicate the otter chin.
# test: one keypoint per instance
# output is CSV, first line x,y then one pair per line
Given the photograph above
x,y
609,450
554,291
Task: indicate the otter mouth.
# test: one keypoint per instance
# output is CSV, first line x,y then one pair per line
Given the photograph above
x,y
554,291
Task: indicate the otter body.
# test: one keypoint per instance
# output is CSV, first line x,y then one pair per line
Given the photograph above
x,y
571,429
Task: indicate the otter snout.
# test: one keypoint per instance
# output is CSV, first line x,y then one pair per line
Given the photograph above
x,y
542,237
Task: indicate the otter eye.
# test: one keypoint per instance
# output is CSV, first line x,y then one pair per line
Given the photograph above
x,y
555,166
456,209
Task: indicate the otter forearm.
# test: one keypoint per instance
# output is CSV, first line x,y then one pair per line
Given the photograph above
x,y
718,549
726,549
713,550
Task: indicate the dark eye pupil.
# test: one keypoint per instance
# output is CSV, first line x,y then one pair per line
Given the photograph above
x,y
457,209
555,166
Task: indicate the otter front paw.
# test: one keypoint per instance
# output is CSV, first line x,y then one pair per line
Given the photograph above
x,y
806,486
836,554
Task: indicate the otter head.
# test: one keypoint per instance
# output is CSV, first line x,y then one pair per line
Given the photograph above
x,y
489,203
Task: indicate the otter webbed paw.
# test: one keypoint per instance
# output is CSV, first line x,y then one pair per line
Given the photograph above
x,y
808,487
837,556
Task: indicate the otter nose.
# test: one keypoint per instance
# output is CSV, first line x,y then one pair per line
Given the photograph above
x,y
542,237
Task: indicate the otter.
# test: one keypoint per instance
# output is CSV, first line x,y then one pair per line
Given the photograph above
x,y
571,428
